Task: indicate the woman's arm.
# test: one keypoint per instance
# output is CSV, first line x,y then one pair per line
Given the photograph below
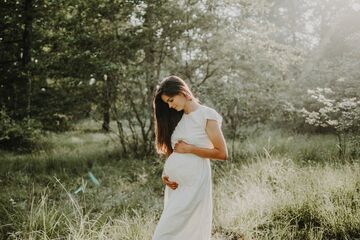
x,y
216,137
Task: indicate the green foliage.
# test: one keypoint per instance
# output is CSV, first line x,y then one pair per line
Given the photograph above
x,y
252,60
18,135
67,102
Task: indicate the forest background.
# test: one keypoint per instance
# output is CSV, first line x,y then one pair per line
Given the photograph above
x,y
76,87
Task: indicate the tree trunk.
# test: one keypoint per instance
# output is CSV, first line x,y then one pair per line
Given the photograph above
x,y
106,105
106,120
150,62
19,97
25,89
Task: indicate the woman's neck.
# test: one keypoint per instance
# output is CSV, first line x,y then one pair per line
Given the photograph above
x,y
190,106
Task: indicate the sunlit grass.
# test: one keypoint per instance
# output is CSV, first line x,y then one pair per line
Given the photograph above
x,y
71,151
276,198
267,199
280,186
298,147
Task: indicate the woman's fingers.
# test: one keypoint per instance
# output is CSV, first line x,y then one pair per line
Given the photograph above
x,y
165,179
172,185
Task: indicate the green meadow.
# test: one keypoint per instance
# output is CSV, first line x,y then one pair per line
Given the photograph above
x,y
78,120
277,185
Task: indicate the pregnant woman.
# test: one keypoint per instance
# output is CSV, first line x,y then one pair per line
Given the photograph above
x,y
189,134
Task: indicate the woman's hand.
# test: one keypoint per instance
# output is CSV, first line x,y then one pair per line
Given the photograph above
x,y
182,147
170,184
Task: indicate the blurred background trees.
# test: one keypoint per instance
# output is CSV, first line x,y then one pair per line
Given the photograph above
x,y
64,61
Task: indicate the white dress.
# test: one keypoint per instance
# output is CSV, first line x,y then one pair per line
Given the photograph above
x,y
187,213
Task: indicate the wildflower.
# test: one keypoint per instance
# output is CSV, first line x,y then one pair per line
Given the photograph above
x,y
311,92
310,121
333,122
314,115
12,201
328,90
92,81
329,103
323,111
348,103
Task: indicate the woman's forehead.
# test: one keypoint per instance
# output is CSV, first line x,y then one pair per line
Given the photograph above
x,y
165,98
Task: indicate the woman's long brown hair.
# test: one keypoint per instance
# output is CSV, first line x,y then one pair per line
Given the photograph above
x,y
167,118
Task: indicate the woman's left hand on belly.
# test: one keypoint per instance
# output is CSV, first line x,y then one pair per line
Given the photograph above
x,y
182,147
170,184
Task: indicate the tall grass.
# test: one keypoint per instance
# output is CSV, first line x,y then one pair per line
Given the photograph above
x,y
298,147
278,199
73,152
280,186
267,199
46,220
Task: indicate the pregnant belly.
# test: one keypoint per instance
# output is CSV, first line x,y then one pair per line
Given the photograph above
x,y
183,168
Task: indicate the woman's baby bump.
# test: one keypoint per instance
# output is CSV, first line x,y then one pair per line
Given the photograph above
x,y
184,168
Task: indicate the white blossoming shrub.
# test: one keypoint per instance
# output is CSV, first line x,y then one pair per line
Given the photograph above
x,y
339,115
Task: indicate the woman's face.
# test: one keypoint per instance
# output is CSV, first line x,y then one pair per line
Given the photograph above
x,y
176,102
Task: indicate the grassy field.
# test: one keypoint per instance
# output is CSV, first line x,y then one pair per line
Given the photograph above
x,y
277,186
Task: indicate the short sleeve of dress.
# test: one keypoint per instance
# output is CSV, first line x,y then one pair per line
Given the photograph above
x,y
211,114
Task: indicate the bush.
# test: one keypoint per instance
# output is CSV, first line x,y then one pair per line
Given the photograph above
x,y
57,122
18,135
